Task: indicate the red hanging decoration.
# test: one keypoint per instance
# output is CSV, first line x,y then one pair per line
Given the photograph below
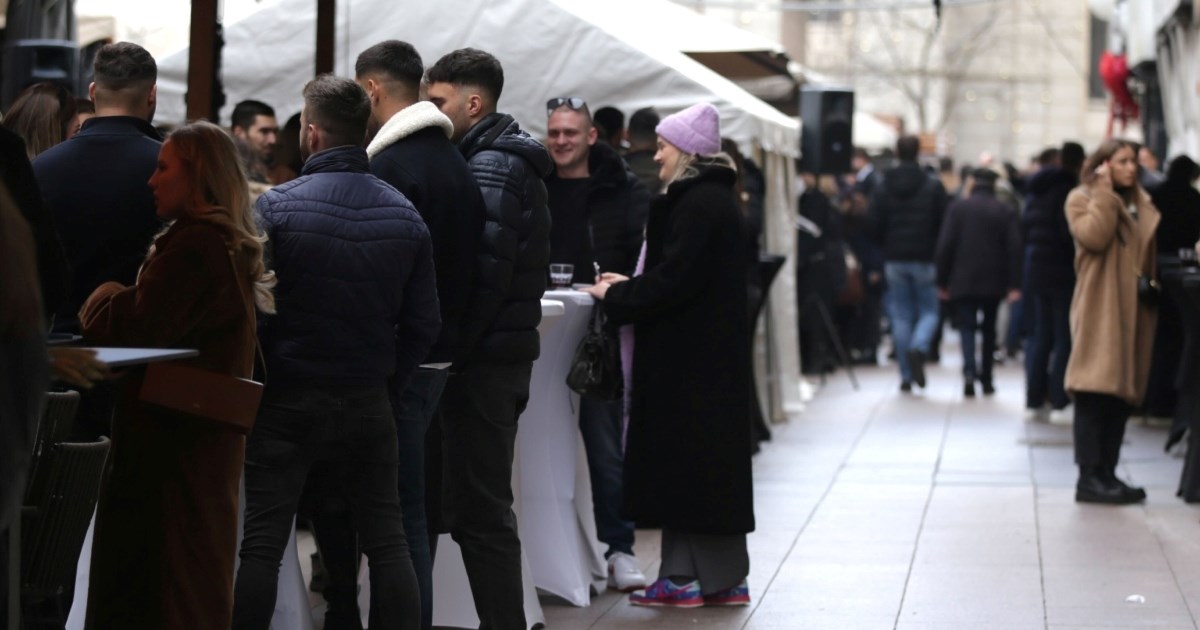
x,y
1114,71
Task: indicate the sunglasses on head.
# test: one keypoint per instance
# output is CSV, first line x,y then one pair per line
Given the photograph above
x,y
574,103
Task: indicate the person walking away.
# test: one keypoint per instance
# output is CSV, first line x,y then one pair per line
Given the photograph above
x,y
1113,222
489,388
166,523
907,208
1049,272
689,414
979,264
358,308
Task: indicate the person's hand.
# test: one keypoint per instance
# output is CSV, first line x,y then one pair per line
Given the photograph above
x,y
611,278
1014,296
598,290
77,366
1103,178
943,294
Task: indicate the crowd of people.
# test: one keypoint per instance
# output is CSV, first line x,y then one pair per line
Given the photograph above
x,y
1072,245
378,264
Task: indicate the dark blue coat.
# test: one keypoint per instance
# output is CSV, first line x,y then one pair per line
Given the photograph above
x,y
1049,247
96,187
356,300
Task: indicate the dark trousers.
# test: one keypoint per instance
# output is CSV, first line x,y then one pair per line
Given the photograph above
x,y
977,315
600,423
1099,428
1048,349
334,528
351,433
470,471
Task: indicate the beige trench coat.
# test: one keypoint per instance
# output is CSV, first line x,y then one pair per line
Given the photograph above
x,y
1112,333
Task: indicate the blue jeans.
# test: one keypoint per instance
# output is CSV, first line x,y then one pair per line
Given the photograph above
x,y
600,423
912,305
1048,349
967,315
349,431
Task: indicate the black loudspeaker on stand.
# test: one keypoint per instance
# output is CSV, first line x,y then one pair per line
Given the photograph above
x,y
827,137
29,61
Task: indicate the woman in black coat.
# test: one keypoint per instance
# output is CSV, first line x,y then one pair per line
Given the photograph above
x,y
687,461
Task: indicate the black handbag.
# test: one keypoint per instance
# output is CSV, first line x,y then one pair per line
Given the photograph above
x,y
596,367
1148,291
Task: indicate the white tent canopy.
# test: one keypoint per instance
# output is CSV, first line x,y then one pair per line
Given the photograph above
x,y
594,50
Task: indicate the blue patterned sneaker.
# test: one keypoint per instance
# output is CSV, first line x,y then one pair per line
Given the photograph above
x,y
665,593
733,596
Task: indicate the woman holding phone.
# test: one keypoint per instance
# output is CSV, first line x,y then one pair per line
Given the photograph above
x,y
1113,315
687,458
166,523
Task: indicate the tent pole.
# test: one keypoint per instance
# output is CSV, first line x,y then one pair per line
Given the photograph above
x,y
326,17
203,62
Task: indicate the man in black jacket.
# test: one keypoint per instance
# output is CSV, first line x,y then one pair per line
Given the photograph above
x,y
906,208
412,151
357,308
95,183
978,264
642,147
598,210
490,385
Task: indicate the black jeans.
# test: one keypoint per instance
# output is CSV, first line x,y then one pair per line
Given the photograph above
x,y
413,409
1048,349
967,316
351,434
471,454
600,423
1099,428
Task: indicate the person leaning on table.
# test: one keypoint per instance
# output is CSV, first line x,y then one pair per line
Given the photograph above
x,y
687,458
166,522
1113,223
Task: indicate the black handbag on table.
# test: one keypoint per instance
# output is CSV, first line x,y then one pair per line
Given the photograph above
x,y
596,367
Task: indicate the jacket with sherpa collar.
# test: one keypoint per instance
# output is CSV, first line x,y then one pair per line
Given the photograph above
x,y
413,152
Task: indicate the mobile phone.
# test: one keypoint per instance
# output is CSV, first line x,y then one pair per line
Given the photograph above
x,y
596,266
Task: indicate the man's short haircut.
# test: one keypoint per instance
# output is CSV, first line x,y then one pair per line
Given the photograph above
x,y
245,112
908,148
124,65
945,164
642,125
1073,156
610,120
1048,156
469,66
396,60
339,107
861,154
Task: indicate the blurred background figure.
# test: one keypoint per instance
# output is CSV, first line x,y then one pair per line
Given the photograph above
x,y
42,115
610,127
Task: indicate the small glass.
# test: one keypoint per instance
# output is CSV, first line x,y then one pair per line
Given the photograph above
x,y
561,274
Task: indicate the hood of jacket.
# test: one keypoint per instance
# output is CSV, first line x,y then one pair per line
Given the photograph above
x,y
905,180
500,132
1049,178
406,122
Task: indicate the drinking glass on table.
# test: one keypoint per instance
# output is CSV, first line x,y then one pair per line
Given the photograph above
x,y
561,274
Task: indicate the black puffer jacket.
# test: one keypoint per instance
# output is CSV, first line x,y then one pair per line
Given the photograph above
x,y
357,296
617,204
1049,248
500,326
906,209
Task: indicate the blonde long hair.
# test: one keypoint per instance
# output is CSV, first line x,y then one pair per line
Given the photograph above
x,y
222,196
689,165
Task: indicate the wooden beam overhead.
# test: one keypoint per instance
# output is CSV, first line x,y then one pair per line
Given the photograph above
x,y
326,18
203,63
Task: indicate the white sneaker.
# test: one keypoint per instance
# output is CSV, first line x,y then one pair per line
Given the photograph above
x,y
1034,414
624,574
1063,417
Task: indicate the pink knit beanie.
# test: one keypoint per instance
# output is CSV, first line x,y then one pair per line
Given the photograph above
x,y
696,130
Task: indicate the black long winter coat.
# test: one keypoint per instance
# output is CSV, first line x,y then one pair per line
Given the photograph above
x,y
1048,242
500,325
1179,204
687,459
979,250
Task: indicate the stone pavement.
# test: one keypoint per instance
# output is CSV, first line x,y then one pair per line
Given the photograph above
x,y
879,510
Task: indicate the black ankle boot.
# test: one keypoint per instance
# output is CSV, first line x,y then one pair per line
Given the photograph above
x,y
969,389
1135,493
1094,487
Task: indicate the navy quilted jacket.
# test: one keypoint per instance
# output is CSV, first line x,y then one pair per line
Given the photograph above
x,y
357,300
